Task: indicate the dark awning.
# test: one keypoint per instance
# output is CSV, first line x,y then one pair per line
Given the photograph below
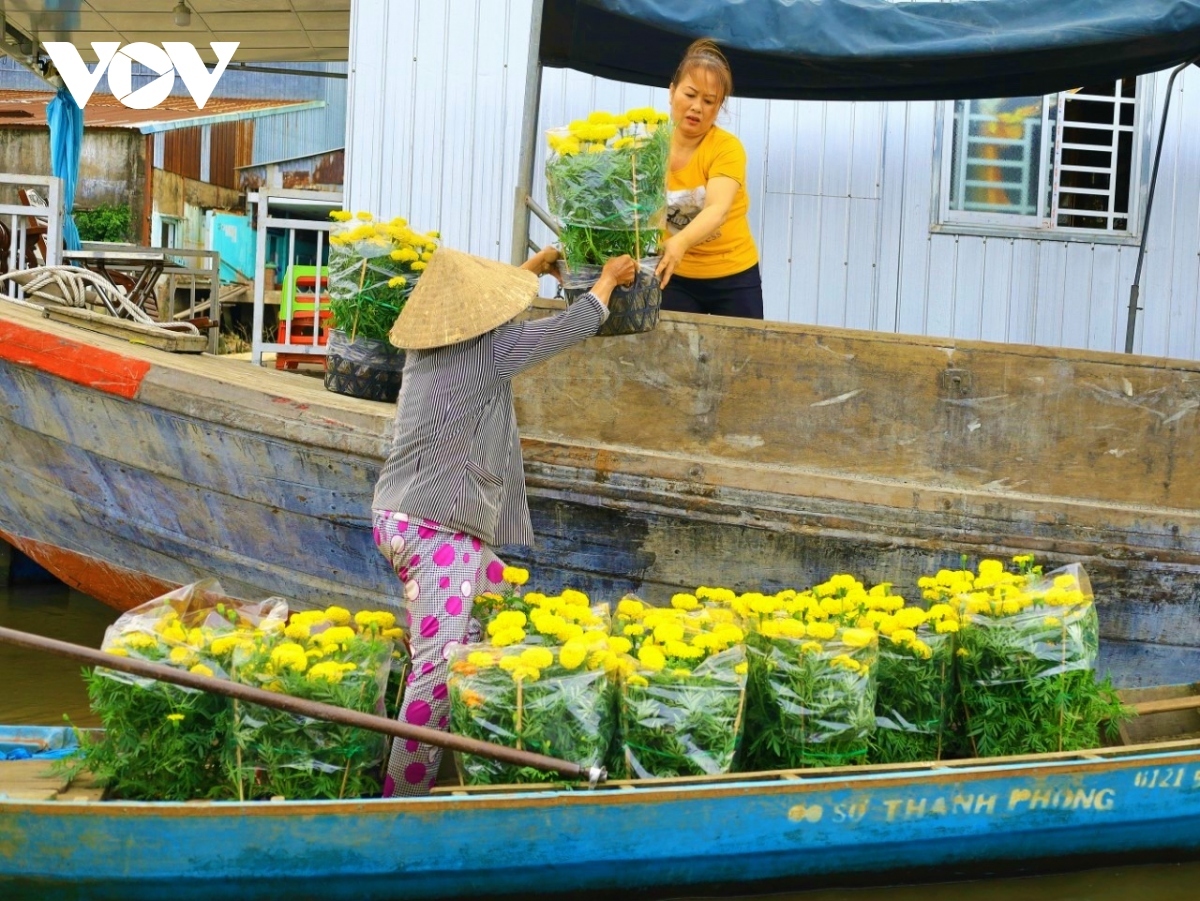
x,y
876,49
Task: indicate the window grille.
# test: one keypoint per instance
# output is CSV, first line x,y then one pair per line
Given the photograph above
x,y
1065,162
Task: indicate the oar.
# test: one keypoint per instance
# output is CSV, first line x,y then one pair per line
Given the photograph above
x,y
314,709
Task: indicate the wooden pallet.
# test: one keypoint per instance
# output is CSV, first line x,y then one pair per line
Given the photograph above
x,y
133,332
32,780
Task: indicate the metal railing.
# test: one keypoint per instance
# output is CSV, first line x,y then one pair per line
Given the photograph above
x,y
30,233
300,335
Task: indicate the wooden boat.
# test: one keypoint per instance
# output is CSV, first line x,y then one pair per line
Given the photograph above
x,y
791,830
709,451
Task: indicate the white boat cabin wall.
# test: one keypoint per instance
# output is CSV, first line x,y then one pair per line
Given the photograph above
x,y
1016,220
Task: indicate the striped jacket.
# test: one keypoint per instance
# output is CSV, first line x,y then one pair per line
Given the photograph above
x,y
456,452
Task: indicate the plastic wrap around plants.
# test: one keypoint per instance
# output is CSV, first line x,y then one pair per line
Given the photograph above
x,y
164,741
811,697
1026,666
543,698
325,656
914,701
373,268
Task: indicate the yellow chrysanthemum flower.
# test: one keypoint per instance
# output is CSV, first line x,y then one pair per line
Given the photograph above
x,y
515,575
339,616
201,670
289,655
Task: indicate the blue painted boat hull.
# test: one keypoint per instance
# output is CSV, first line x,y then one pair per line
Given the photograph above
x,y
797,831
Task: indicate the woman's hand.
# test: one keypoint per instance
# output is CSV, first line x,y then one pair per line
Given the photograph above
x,y
544,262
672,252
617,271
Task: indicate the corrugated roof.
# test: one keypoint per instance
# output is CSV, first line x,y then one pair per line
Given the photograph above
x,y
105,111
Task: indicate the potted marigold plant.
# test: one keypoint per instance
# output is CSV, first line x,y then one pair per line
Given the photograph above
x,y
606,183
373,268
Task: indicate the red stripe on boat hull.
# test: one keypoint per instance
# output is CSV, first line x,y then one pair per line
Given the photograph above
x,y
83,364
118,587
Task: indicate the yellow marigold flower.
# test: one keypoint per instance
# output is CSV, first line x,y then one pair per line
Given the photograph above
x,y
201,670
631,607
472,698
651,657
921,649
1009,607
962,652
822,630
480,659
858,638
1052,622
139,640
182,655
341,216
685,602
175,717
575,598
619,645
393,634
845,662
117,652
418,266
174,633
523,673
223,645
339,616
811,647
910,617
946,625
289,655
336,635
327,671
720,595
507,637
742,668
515,575
397,281
364,216
295,631
572,654
665,632
382,619
903,636
634,629
537,657
637,681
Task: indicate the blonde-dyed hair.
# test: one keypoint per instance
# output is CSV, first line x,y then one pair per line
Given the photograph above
x,y
704,53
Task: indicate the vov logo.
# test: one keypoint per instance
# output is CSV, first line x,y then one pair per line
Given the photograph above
x,y
173,57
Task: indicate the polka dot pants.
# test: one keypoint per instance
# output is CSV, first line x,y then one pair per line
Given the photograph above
x,y
442,572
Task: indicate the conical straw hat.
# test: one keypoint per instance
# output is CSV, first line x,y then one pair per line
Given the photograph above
x,y
460,296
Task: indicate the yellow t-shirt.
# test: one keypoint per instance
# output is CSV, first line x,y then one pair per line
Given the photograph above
x,y
731,248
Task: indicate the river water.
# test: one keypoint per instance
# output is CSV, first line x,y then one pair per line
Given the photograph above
x,y
39,689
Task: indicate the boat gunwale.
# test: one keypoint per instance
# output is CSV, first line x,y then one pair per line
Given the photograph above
x,y
623,792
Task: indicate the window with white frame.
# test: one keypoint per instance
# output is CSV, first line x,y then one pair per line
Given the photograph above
x,y
1066,162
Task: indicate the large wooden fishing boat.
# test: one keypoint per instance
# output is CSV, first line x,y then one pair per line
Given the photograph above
x,y
709,451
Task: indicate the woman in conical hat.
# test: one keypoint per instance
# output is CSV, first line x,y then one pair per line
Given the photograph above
x,y
453,485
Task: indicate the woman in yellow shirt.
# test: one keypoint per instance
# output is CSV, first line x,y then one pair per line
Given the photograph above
x,y
709,261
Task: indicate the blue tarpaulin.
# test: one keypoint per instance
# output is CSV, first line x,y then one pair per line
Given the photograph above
x,y
877,49
65,119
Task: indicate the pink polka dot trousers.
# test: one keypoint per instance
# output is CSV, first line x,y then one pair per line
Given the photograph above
x,y
442,572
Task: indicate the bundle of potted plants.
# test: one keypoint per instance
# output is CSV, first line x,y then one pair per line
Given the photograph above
x,y
373,267
606,184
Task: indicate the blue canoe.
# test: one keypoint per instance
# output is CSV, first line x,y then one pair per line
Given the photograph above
x,y
790,830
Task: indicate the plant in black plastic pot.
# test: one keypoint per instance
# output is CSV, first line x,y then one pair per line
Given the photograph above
x,y
373,267
606,183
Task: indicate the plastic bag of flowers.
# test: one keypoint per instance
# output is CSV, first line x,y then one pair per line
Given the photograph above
x,y
321,655
682,706
914,702
510,617
163,741
1026,661
606,180
373,267
811,695
549,698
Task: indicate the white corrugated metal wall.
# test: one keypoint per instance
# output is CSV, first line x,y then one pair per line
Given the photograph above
x,y
841,193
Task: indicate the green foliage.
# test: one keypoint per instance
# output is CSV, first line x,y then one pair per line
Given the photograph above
x,y
805,709
681,723
914,700
162,742
104,223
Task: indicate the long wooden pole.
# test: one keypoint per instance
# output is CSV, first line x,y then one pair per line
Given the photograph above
x,y
313,709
